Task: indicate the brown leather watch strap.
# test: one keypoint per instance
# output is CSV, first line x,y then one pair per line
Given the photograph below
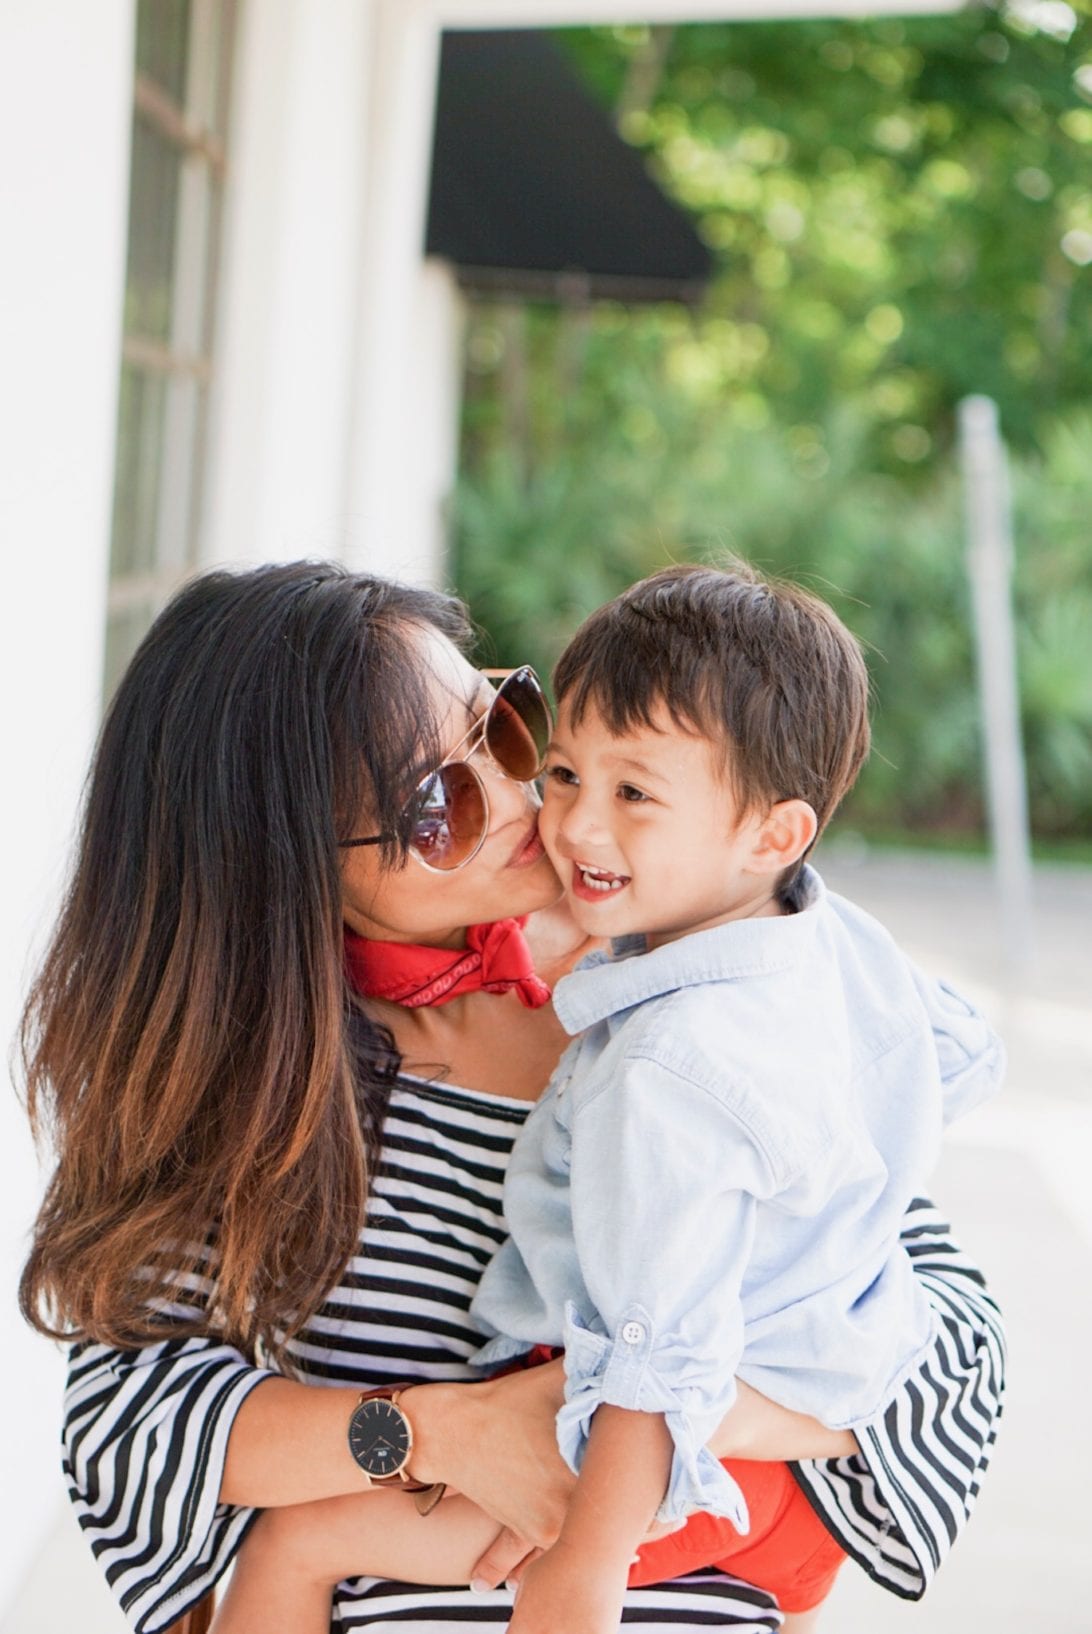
x,y
426,1494
428,1497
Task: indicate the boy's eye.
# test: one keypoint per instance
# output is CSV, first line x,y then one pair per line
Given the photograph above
x,y
561,774
633,796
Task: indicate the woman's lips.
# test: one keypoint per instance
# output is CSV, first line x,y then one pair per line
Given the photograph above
x,y
529,849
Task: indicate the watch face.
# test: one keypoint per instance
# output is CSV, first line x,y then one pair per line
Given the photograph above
x,y
379,1438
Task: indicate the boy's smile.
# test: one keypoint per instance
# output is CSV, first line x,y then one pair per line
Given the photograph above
x,y
592,882
646,834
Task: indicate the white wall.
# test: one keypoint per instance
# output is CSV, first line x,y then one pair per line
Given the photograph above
x,y
65,95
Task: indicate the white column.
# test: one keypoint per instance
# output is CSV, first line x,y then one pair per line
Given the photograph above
x,y
389,528
434,388
988,510
66,73
288,296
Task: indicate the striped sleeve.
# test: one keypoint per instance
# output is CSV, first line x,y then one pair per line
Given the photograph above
x,y
145,1440
899,1505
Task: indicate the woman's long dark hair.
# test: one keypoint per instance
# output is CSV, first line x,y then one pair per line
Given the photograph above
x,y
190,1045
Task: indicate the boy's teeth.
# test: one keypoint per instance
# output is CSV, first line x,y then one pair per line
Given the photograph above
x,y
595,881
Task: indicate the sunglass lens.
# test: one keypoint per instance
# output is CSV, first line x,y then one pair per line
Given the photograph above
x,y
451,818
519,726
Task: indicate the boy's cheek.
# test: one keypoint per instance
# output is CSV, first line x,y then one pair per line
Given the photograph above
x,y
548,840
548,819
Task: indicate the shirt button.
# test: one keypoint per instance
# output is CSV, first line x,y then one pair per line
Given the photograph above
x,y
633,1333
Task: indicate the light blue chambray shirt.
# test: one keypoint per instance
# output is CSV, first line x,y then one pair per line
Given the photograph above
x,y
714,1181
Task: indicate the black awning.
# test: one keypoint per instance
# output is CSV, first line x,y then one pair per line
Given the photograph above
x,y
535,193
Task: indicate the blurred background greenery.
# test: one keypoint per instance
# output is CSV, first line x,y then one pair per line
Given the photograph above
x,y
901,213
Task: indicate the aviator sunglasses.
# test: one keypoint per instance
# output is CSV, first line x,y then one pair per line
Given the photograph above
x,y
450,807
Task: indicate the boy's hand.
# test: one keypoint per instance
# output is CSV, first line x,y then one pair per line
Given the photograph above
x,y
566,1590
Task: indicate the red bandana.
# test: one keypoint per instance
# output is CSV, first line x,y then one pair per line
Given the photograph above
x,y
496,958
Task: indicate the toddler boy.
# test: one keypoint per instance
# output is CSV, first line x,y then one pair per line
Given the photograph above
x,y
714,1181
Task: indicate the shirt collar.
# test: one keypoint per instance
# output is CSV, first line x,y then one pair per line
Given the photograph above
x,y
605,983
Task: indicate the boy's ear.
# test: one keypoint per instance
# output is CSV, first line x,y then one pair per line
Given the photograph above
x,y
786,832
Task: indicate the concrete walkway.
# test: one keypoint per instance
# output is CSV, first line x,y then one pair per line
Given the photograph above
x,y
1016,1179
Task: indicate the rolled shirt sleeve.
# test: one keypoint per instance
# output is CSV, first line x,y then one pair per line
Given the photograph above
x,y
663,1327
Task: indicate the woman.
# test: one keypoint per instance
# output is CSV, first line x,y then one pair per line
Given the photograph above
x,y
227,1110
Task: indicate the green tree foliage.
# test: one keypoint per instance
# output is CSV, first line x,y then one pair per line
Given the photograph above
x,y
901,213
902,210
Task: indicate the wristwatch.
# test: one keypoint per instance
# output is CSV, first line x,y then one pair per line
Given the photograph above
x,y
381,1441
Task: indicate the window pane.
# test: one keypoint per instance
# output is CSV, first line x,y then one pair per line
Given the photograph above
x,y
176,517
183,58
153,214
141,413
124,633
162,46
210,64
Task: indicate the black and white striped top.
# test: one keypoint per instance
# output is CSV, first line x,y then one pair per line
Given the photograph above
x,y
146,1430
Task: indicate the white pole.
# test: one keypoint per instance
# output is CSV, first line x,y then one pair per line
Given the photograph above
x,y
988,511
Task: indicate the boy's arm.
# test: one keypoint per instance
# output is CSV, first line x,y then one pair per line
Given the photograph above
x,y
579,1584
664,1189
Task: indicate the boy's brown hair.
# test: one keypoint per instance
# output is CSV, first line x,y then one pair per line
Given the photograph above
x,y
757,665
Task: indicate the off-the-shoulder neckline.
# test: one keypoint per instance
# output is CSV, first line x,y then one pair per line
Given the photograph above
x,y
459,1092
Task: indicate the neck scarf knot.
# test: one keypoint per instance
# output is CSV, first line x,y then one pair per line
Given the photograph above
x,y
496,959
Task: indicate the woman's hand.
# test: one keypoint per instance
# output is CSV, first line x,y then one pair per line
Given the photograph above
x,y
496,1442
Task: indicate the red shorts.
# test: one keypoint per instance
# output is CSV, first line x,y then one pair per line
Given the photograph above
x,y
788,1550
